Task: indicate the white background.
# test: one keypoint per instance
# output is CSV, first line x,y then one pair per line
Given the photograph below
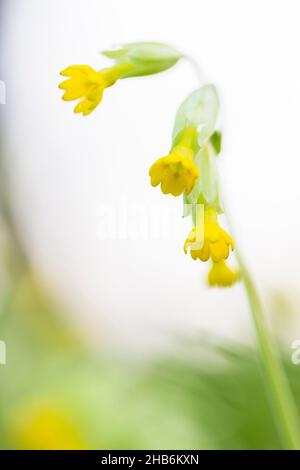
x,y
128,294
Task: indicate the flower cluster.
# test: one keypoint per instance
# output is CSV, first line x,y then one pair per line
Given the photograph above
x,y
190,170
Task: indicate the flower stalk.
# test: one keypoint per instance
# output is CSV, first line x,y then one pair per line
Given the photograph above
x,y
280,396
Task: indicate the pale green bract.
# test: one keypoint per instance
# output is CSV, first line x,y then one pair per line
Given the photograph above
x,y
146,57
207,187
200,109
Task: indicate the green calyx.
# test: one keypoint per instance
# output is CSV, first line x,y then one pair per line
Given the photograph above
x,y
145,58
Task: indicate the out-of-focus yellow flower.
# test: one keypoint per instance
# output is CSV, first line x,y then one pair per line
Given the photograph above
x,y
86,83
216,242
177,173
46,428
222,275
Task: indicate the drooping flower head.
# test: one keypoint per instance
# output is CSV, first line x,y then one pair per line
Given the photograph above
x,y
177,172
215,243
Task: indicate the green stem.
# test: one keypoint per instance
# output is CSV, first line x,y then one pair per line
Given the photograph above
x,y
280,395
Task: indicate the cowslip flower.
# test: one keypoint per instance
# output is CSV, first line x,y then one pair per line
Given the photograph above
x,y
177,172
131,60
222,275
86,83
216,243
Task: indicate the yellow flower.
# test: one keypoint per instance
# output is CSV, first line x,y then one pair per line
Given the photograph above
x,y
86,83
177,173
222,275
216,242
46,428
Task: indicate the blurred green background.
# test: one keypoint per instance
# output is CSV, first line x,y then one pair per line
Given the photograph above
x,y
57,393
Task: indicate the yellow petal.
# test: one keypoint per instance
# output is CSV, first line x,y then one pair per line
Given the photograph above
x,y
85,107
177,185
212,231
219,250
76,70
227,238
202,254
166,181
221,274
190,183
156,171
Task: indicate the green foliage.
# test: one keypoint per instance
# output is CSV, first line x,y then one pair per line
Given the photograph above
x,y
204,397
